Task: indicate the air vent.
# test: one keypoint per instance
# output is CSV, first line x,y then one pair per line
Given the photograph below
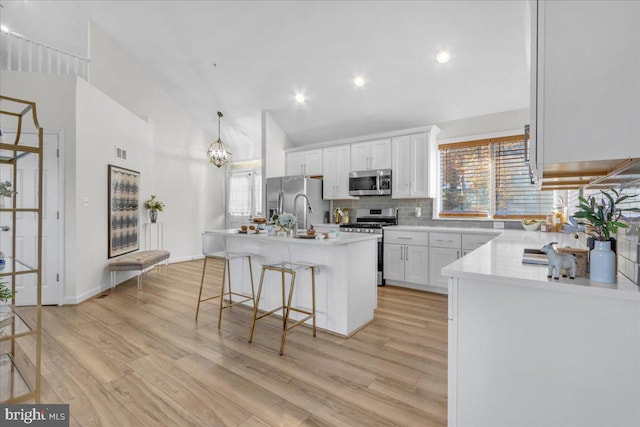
x,y
121,153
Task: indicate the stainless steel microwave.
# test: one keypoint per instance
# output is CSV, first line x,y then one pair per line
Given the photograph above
x,y
370,183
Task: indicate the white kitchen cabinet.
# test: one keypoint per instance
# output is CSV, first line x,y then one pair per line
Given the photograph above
x,y
393,262
406,257
371,155
474,241
416,265
307,162
444,249
336,163
406,263
439,258
413,164
584,81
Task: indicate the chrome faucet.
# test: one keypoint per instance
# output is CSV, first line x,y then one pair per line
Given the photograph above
x,y
306,198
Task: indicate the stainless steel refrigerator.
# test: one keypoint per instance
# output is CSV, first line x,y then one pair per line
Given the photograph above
x,y
306,193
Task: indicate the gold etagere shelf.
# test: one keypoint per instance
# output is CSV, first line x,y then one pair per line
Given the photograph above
x,y
18,382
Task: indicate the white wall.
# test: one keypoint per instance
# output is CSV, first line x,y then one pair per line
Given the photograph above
x,y
274,141
482,125
100,123
180,174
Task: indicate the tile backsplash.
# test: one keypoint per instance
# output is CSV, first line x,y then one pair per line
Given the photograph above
x,y
406,212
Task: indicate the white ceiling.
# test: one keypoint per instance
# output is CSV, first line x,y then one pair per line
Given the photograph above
x,y
265,51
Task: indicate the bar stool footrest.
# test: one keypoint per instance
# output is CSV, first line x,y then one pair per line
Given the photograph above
x,y
298,322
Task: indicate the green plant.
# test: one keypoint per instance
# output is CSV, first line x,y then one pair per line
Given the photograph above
x,y
601,219
5,293
152,203
5,189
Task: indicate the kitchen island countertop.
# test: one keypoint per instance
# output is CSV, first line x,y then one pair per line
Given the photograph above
x,y
500,260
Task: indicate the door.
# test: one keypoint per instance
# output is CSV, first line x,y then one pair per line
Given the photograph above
x,y
329,167
416,264
401,167
27,222
393,262
342,169
360,156
294,163
380,154
441,257
420,165
313,162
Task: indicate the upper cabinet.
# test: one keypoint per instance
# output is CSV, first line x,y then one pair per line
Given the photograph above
x,y
336,163
308,162
585,63
413,164
371,155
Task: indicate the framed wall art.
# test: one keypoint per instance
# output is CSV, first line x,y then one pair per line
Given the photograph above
x,y
124,188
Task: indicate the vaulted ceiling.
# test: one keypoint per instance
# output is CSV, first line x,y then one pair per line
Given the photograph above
x,y
266,51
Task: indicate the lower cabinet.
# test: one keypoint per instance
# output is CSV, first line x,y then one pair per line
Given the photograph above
x,y
439,258
406,263
415,258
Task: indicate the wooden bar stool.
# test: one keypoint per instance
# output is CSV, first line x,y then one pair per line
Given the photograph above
x,y
226,258
292,269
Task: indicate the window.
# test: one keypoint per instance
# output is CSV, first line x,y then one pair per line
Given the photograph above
x,y
489,178
245,190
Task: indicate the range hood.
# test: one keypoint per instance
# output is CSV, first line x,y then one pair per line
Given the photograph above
x,y
591,174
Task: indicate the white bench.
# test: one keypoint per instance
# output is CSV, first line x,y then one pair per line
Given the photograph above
x,y
138,261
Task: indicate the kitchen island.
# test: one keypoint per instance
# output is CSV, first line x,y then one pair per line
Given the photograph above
x,y
346,274
528,350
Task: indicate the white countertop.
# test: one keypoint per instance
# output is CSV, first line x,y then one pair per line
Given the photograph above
x,y
500,261
342,239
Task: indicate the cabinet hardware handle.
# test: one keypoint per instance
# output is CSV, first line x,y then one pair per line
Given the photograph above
x,y
401,249
406,253
405,238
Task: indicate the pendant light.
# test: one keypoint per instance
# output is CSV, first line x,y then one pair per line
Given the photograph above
x,y
218,153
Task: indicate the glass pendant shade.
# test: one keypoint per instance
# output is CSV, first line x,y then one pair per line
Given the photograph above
x,y
218,153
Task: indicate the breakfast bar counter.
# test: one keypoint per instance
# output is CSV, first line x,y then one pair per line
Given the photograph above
x,y
346,274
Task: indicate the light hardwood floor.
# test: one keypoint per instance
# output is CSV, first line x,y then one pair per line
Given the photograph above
x,y
138,358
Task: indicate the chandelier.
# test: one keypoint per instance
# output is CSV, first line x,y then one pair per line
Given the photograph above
x,y
218,153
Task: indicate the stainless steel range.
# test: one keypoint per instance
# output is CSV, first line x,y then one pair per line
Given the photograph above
x,y
372,221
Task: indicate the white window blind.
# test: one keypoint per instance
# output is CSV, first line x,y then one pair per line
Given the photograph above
x,y
465,180
239,194
515,195
489,178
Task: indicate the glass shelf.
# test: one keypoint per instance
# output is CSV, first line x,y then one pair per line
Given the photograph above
x,y
8,318
21,267
12,383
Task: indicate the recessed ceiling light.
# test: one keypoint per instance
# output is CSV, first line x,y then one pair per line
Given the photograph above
x,y
300,98
443,56
359,81
4,28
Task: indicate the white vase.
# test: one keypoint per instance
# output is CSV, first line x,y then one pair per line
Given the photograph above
x,y
603,263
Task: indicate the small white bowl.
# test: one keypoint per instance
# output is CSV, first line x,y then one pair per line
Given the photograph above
x,y
531,227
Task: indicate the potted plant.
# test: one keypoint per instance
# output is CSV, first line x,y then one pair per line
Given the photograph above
x,y
5,293
6,314
600,216
154,206
284,223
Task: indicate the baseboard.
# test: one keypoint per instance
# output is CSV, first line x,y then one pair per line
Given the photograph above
x,y
428,288
107,286
86,295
